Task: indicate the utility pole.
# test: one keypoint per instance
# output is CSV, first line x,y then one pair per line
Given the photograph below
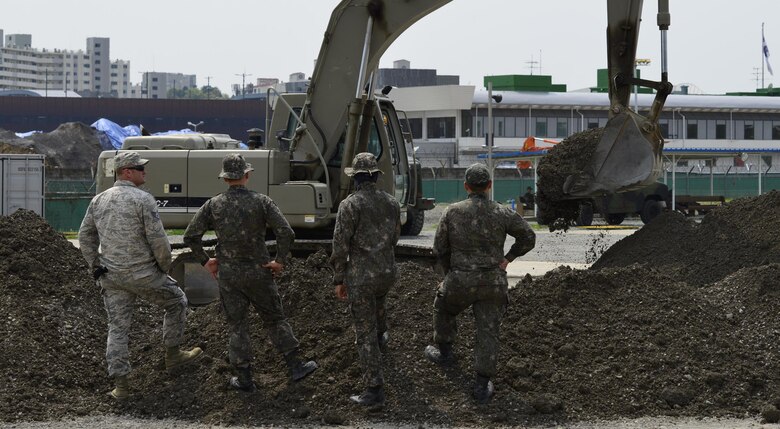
x,y
243,82
757,76
208,87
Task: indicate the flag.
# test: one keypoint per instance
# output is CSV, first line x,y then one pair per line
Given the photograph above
x,y
766,51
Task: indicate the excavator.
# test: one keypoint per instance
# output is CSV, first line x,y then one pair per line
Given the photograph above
x,y
314,136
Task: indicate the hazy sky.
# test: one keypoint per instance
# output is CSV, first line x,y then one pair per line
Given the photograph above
x,y
713,44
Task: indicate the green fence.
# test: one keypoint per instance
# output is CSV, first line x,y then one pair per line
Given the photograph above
x,y
66,203
730,186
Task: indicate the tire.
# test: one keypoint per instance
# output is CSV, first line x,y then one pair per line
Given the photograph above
x,y
651,209
415,219
586,215
615,218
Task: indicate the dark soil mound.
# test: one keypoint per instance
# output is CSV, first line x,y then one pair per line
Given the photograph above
x,y
625,341
740,234
52,333
568,157
71,150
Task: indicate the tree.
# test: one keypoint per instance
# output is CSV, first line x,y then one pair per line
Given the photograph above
x,y
197,93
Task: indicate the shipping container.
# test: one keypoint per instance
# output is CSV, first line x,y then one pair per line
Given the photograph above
x,y
23,183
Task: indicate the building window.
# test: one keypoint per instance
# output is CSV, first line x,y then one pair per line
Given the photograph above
x,y
593,124
720,130
775,132
692,130
441,128
97,45
415,124
541,127
154,79
562,128
498,127
664,129
750,131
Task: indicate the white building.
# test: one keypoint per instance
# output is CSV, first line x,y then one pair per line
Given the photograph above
x,y
89,72
449,122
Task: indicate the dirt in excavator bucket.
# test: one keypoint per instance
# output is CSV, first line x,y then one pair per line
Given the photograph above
x,y
624,159
570,156
678,319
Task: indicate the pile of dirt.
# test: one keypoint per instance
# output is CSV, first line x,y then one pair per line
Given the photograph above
x,y
742,233
624,340
52,333
570,156
71,150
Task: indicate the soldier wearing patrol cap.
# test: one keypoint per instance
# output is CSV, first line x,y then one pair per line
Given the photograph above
x,y
244,269
125,245
469,248
367,229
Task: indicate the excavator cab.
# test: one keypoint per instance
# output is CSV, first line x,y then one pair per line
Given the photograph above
x,y
628,155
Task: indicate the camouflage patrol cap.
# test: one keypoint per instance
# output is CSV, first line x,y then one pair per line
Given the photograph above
x,y
477,175
234,167
364,162
128,159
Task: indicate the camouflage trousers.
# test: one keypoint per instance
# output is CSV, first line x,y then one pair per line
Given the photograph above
x,y
120,291
486,293
369,318
238,288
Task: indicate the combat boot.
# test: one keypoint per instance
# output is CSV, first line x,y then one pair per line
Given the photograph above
x,y
483,389
374,395
298,369
442,355
243,381
122,389
175,357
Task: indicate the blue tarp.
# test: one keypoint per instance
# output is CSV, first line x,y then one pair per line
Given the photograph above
x,y
111,135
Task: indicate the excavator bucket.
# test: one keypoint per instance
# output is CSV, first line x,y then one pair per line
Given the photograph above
x,y
628,156
625,158
196,282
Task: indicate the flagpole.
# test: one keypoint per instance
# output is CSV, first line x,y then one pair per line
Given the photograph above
x,y
762,55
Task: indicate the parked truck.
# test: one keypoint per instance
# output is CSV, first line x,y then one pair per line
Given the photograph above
x,y
647,202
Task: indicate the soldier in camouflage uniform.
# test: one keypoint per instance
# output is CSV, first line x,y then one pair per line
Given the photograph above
x,y
244,268
124,243
367,229
469,246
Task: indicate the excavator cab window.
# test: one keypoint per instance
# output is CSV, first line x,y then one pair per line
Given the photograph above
x,y
374,146
292,124
391,135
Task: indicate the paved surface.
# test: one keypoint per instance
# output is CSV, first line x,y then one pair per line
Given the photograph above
x,y
577,248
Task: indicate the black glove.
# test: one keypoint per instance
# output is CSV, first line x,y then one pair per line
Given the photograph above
x,y
99,271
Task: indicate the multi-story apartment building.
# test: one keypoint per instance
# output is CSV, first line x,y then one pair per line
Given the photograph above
x,y
90,72
167,85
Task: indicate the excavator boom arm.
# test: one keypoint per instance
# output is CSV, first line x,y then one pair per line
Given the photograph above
x,y
358,33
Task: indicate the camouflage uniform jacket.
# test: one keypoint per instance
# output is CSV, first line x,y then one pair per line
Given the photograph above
x,y
123,221
368,225
240,218
471,235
